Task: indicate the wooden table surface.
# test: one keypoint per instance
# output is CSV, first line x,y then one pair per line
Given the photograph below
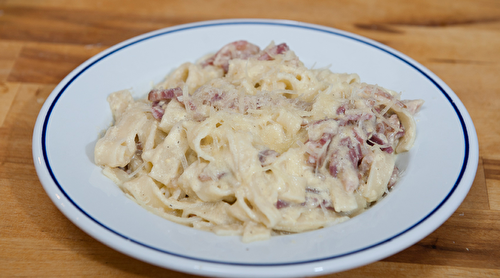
x,y
42,41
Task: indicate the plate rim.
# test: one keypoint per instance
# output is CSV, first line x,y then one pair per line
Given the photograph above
x,y
469,163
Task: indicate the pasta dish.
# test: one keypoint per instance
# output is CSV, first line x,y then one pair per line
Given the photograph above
x,y
250,142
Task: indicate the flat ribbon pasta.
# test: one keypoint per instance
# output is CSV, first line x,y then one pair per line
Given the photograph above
x,y
250,142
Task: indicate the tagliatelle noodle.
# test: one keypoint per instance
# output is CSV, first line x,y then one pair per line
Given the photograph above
x,y
250,142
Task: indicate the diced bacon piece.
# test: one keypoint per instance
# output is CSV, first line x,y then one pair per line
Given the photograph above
x,y
320,133
161,96
279,49
346,172
381,140
377,138
157,110
269,54
380,128
316,150
355,152
355,155
281,204
333,167
395,135
388,150
344,161
341,109
165,94
266,157
400,133
238,49
386,136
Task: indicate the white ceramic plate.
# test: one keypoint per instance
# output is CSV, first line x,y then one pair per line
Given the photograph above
x,y
439,170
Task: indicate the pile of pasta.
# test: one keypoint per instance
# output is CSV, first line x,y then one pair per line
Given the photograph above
x,y
250,142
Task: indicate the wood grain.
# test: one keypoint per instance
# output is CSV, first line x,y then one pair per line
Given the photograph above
x,y
42,41
49,63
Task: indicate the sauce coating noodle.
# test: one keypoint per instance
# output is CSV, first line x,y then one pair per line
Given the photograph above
x,y
250,142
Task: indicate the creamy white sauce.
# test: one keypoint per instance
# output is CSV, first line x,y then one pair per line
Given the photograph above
x,y
253,143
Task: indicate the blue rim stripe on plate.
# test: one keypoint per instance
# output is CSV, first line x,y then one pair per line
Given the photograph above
x,y
459,115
